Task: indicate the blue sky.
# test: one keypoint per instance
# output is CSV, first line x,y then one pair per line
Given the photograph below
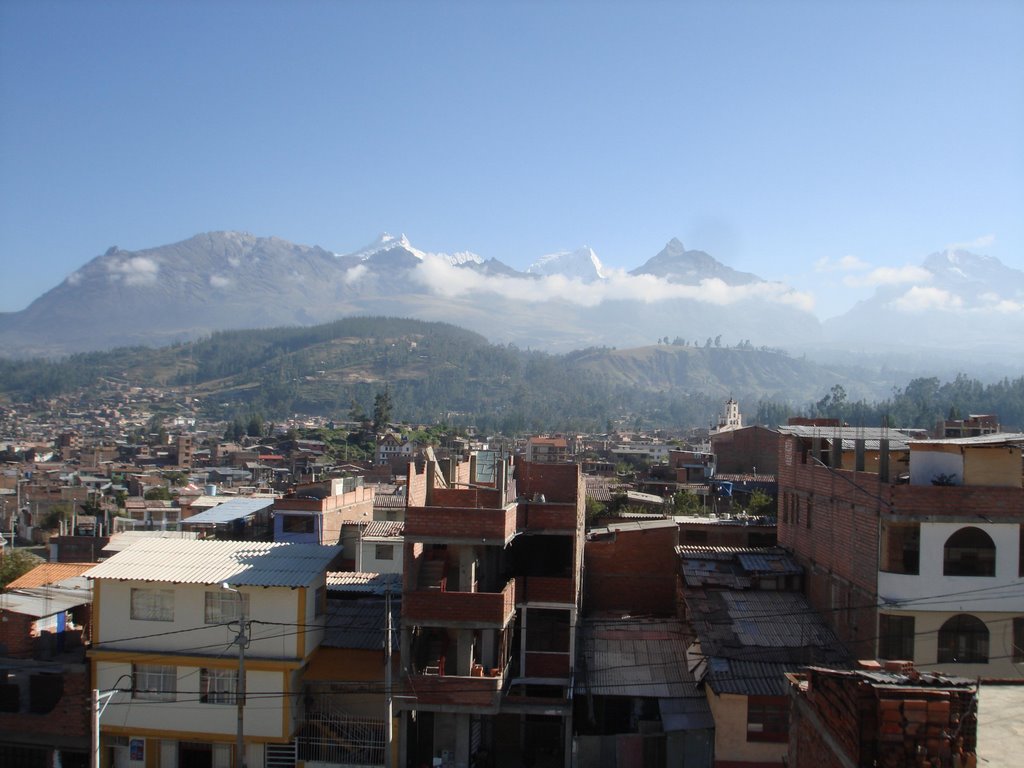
x,y
807,142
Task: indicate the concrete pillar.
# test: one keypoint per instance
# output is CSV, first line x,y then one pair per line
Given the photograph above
x,y
464,652
488,648
462,733
467,569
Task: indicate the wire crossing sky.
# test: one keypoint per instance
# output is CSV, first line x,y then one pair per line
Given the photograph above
x,y
810,143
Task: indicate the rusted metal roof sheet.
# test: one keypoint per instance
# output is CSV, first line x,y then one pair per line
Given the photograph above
x,y
635,657
248,563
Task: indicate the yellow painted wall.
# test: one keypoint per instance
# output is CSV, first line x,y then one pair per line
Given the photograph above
x,y
730,714
998,466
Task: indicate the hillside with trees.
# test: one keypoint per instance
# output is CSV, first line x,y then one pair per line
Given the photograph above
x,y
373,368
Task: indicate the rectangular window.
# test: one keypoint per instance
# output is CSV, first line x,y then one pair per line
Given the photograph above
x,y
1018,640
154,682
222,606
901,548
385,552
152,604
218,686
767,718
297,524
895,637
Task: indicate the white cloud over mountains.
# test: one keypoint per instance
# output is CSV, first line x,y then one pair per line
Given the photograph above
x,y
889,276
442,278
135,270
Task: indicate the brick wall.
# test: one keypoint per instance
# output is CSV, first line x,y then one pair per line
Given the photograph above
x,y
67,724
440,690
633,571
436,608
558,482
16,639
494,525
838,715
740,450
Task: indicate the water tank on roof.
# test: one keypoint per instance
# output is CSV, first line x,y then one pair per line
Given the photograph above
x,y
211,490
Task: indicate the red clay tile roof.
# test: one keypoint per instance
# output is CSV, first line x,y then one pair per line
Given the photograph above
x,y
49,573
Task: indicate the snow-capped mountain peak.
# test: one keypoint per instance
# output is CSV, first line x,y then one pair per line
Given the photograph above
x,y
384,242
387,242
581,264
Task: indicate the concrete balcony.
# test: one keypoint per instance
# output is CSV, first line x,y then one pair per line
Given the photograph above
x,y
545,589
453,693
461,525
476,610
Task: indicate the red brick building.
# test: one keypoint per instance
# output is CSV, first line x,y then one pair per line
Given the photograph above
x,y
889,718
747,450
631,568
492,590
913,548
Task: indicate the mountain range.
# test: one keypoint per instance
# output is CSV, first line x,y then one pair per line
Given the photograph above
x,y
961,306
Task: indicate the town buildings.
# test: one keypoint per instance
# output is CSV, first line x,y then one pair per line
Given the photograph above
x,y
493,564
168,614
913,548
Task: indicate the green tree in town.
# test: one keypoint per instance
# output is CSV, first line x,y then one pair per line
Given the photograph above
x,y
381,409
17,563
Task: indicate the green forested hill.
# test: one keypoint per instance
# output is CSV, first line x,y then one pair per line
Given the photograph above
x,y
439,372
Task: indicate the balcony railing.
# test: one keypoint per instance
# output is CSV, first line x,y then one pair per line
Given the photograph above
x,y
474,692
487,610
455,524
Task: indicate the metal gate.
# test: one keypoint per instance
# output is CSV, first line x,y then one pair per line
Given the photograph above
x,y
338,739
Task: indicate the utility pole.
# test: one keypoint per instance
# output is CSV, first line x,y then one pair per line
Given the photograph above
x,y
388,697
242,640
96,711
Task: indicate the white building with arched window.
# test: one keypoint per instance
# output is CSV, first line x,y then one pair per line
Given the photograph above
x,y
914,549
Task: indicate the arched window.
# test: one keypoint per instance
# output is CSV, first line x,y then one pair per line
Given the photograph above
x,y
969,552
963,639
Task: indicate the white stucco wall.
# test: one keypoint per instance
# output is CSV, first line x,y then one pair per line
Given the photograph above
x,y
1001,592
188,630
186,716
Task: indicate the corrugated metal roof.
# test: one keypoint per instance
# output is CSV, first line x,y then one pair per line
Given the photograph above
x,y
996,440
44,601
636,657
248,563
747,636
364,582
389,502
229,511
360,624
774,562
749,678
854,433
383,529
125,539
